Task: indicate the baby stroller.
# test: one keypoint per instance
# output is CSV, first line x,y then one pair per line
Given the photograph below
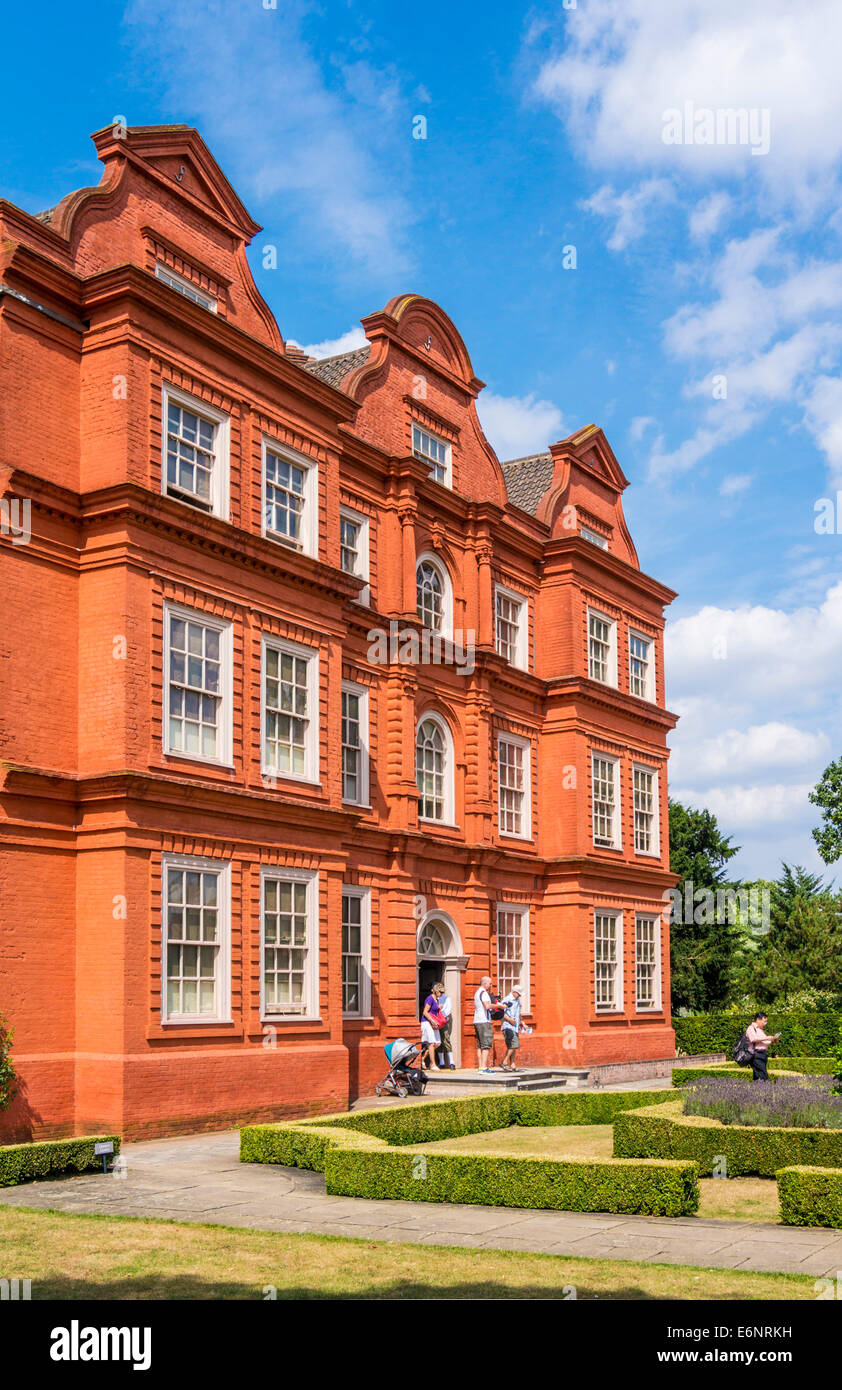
x,y
402,1076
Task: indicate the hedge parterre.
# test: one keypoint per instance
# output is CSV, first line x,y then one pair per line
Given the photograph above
x,y
22,1162
360,1155
810,1196
664,1131
807,1066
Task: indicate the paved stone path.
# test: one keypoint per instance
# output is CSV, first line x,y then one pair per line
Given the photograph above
x,y
200,1178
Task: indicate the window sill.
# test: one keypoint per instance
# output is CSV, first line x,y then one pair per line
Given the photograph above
x,y
439,824
520,839
267,775
288,1020
358,805
203,762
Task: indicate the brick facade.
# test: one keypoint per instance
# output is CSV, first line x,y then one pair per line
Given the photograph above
x,y
95,811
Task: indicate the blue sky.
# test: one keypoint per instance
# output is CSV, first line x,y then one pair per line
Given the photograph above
x,y
695,264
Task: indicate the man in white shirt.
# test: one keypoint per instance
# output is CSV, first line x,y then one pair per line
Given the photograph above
x,y
482,1023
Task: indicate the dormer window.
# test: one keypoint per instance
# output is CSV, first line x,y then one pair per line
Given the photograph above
x,y
434,451
185,287
594,537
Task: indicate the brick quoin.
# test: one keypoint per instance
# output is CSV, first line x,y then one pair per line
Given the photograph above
x,y
90,802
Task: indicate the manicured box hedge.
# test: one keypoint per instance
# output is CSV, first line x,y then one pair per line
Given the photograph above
x,y
778,1066
810,1196
685,1076
664,1131
364,1154
803,1034
654,1188
21,1162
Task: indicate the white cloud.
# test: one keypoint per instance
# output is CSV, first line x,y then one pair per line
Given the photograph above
x,y
753,808
623,66
638,427
285,133
332,347
518,425
628,211
824,419
758,751
735,483
708,214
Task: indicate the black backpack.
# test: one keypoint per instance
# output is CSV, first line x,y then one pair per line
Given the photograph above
x,y
743,1052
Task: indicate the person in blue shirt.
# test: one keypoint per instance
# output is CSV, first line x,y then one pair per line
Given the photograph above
x,y
512,1026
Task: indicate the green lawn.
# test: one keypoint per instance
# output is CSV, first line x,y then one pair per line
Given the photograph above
x,y
100,1257
721,1199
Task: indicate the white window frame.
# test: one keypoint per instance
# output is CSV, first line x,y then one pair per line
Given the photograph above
x,y
617,1004
617,822
448,816
222,870
310,878
446,465
646,637
521,656
588,534
525,746
657,1004
361,691
221,449
654,852
308,541
427,557
522,909
362,572
312,749
611,661
185,287
351,890
225,721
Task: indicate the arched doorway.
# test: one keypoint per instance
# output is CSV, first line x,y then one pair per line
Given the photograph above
x,y
439,954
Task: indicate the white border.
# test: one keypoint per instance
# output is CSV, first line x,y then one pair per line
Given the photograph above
x,y
449,816
526,820
522,643
351,688
618,815
221,448
612,649
359,519
311,656
655,852
226,652
651,686
425,458
309,543
311,878
525,974
352,890
618,1007
428,557
657,1007
222,869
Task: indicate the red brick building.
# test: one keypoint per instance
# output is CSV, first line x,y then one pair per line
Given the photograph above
x,y
304,696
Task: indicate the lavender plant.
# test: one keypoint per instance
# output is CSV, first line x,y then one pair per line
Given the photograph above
x,y
803,1102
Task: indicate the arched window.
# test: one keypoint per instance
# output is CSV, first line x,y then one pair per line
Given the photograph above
x,y
434,769
433,599
431,941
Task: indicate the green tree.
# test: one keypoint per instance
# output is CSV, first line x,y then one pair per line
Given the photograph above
x,y
8,1089
803,948
702,953
828,795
